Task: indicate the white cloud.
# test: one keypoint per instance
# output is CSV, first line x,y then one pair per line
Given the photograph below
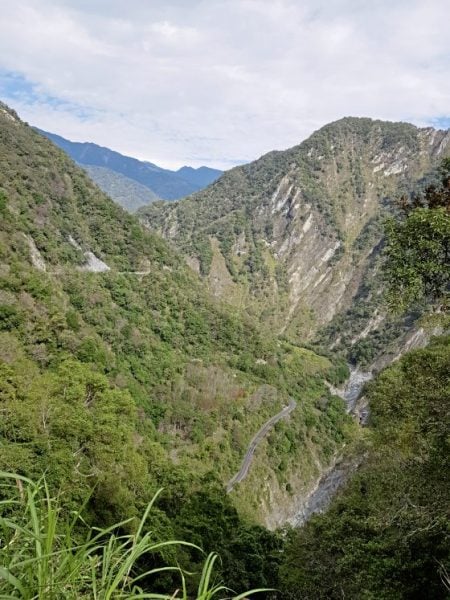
x,y
222,81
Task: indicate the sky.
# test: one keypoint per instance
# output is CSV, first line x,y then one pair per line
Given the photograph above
x,y
220,82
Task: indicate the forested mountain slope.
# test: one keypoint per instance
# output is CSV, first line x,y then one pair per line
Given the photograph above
x,y
127,192
164,183
387,534
120,374
120,371
294,237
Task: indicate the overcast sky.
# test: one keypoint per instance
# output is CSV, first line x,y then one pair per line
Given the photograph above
x,y
220,82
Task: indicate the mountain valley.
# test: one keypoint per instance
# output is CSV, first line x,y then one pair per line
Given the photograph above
x,y
129,181
203,346
83,280
294,238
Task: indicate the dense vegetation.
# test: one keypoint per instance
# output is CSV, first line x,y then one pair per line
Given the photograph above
x,y
233,206
164,183
387,534
46,557
418,246
413,264
130,194
120,382
294,238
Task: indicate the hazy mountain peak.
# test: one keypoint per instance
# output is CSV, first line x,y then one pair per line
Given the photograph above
x,y
164,183
202,176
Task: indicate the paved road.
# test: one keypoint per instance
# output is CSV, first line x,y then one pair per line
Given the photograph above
x,y
242,473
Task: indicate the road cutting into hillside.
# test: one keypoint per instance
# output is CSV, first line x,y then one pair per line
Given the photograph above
x,y
242,473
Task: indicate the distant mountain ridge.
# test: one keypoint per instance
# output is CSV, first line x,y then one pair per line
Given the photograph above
x,y
164,183
127,192
201,177
294,237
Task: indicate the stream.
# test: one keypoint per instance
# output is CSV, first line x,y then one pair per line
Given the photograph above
x,y
330,481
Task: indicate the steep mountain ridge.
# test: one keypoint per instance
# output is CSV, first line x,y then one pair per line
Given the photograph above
x,y
127,192
86,290
294,237
165,183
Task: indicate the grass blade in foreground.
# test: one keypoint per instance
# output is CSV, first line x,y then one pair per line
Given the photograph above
x,y
43,560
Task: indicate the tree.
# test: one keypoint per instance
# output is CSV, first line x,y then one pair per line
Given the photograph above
x,y
418,247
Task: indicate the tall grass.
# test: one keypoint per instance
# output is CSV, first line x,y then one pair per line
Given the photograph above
x,y
42,557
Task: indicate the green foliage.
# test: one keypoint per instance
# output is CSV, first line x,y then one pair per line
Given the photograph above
x,y
250,555
10,318
130,194
252,220
386,534
339,372
72,420
3,203
46,556
418,247
118,383
418,252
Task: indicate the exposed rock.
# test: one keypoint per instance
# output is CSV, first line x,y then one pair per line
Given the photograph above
x,y
36,257
295,228
93,264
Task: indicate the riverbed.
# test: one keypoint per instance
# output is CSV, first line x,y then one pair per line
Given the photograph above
x,y
340,471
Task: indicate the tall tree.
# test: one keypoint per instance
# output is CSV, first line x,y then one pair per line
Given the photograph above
x,y
418,247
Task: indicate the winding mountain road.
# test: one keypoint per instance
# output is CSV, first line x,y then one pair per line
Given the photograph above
x,y
242,473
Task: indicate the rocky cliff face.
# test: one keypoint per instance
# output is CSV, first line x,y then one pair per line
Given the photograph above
x,y
82,283
294,237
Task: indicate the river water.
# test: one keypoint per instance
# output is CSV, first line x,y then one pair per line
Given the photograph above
x,y
340,471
